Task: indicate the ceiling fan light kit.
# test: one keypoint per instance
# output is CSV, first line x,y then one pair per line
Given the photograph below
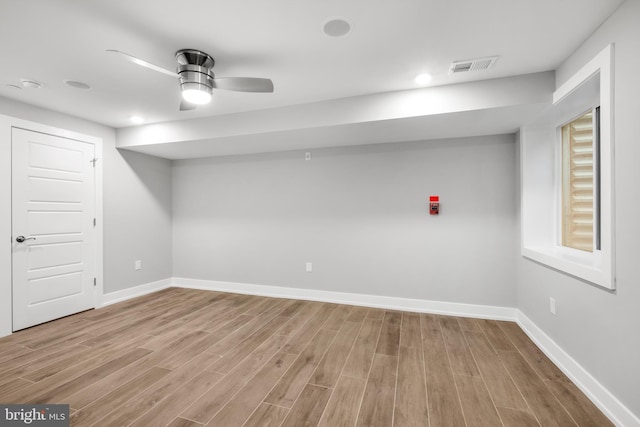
x,y
198,94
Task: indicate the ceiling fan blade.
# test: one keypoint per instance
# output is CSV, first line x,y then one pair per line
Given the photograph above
x,y
143,63
186,106
243,84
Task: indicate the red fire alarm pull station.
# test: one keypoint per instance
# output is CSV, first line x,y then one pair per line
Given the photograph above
x,y
434,205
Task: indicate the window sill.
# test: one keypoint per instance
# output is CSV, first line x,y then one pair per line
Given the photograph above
x,y
583,265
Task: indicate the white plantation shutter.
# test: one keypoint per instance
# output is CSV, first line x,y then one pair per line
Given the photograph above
x,y
578,192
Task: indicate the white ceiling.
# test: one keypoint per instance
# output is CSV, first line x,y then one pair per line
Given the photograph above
x,y
390,43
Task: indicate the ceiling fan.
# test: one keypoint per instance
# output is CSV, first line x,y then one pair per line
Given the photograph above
x,y
197,80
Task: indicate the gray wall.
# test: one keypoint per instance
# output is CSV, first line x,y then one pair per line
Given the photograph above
x,y
360,215
137,202
599,329
137,191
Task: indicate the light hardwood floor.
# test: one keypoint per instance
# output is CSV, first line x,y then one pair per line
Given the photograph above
x,y
184,357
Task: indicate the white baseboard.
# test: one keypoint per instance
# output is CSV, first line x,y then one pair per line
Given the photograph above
x,y
599,395
391,303
136,291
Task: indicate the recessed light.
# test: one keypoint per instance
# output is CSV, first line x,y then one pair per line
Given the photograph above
x,y
77,85
336,27
30,84
136,120
423,79
13,86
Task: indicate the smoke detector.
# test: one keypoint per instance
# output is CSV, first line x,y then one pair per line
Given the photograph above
x,y
478,64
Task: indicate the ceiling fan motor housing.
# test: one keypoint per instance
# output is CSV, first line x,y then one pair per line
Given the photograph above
x,y
195,77
195,70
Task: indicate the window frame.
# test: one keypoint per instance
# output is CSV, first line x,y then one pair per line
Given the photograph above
x,y
541,177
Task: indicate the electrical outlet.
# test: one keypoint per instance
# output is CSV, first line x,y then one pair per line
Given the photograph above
x,y
138,265
552,305
309,267
307,156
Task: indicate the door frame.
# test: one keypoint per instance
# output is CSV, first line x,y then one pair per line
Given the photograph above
x,y
7,123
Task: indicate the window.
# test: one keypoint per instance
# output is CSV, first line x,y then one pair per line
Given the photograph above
x,y
566,155
580,182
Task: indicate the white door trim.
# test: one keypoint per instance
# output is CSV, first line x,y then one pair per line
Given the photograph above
x,y
6,124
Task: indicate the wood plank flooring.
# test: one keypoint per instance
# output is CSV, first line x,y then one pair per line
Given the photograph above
x,y
184,357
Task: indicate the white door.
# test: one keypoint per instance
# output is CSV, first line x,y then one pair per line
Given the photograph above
x,y
53,230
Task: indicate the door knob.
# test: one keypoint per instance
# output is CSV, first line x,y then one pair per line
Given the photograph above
x,y
21,239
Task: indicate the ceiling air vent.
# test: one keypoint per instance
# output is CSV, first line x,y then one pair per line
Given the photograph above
x,y
472,65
